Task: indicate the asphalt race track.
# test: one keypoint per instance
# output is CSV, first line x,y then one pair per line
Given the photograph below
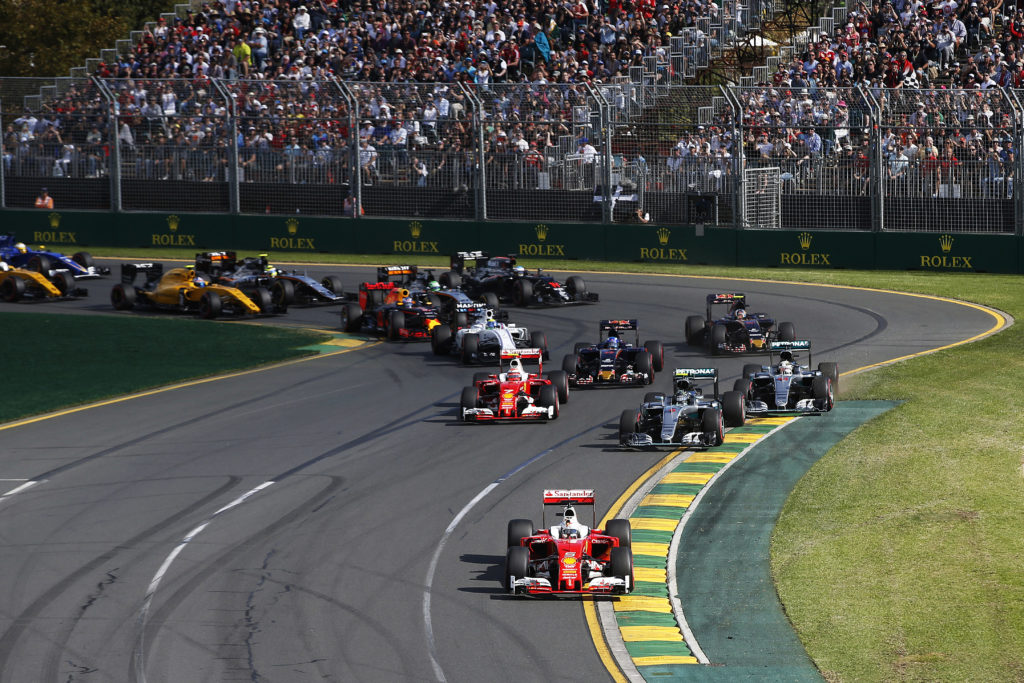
x,y
313,522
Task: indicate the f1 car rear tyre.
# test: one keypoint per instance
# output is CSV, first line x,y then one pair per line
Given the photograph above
x,y
396,323
461,320
470,345
333,283
262,298
539,340
560,380
622,563
620,529
830,370
741,385
644,363
787,332
627,425
83,258
718,336
523,292
210,305
40,263
577,287
519,529
351,314
491,301
13,288
122,297
283,294
65,282
750,369
441,340
694,330
548,396
569,364
657,350
734,408
821,387
517,564
481,377
469,398
653,397
711,424
450,280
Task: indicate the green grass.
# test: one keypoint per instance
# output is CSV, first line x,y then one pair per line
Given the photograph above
x,y
89,358
898,556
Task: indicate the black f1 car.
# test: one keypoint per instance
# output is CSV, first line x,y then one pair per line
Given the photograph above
x,y
786,386
478,274
613,361
286,287
688,417
737,331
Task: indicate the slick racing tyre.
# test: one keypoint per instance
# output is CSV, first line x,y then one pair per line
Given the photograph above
x,y
65,282
576,287
517,564
524,293
569,364
741,385
262,298
718,337
441,340
694,330
396,323
821,387
450,280
622,564
620,529
210,305
711,425
750,369
283,294
123,297
645,364
40,263
539,340
351,317
461,320
468,400
519,529
491,301
657,354
333,283
734,408
548,397
560,380
627,425
12,289
83,258
787,332
470,346
830,370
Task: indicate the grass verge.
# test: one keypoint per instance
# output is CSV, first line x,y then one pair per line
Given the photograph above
x,y
89,358
898,556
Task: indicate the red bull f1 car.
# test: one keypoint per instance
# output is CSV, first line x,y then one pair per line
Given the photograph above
x,y
787,386
735,331
515,394
569,558
613,361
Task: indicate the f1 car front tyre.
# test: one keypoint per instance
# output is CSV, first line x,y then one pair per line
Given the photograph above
x,y
83,258
718,337
577,287
519,529
560,380
657,350
40,263
65,282
539,340
517,564
461,320
742,385
470,396
750,369
333,283
523,292
283,294
12,289
734,408
441,340
351,315
396,323
470,345
830,370
491,301
787,332
569,364
627,425
620,529
645,364
263,299
622,564
210,305
548,397
450,280
122,297
711,425
821,387
694,330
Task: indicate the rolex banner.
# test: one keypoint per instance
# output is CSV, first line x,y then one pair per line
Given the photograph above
x,y
956,252
806,249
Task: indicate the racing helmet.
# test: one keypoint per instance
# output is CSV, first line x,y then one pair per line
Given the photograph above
x,y
198,281
613,343
20,246
270,270
785,367
434,286
514,376
520,271
4,266
491,323
741,314
569,532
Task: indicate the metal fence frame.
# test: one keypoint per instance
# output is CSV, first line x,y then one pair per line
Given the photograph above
x,y
633,128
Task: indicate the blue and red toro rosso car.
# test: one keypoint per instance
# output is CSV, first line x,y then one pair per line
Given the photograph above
x,y
736,330
569,558
20,255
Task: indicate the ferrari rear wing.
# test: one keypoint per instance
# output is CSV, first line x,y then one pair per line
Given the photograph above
x,y
528,354
566,498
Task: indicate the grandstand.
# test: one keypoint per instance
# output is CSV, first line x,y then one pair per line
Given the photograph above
x,y
869,120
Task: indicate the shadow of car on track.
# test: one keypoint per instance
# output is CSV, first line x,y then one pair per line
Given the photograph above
x,y
492,573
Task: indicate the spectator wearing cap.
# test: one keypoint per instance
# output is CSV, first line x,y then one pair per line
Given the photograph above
x,y
44,200
260,47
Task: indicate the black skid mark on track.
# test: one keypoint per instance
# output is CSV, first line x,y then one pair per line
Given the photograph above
x,y
23,621
111,578
76,670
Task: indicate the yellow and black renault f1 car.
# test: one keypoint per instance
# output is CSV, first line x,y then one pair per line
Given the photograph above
x,y
19,283
183,290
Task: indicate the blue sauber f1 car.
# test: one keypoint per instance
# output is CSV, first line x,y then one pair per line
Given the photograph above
x,y
20,255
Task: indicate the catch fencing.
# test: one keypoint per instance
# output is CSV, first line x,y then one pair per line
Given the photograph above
x,y
637,150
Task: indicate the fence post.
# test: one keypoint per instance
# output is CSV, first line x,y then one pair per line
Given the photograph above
x,y
1018,166
115,162
877,186
354,186
3,166
234,206
481,151
739,159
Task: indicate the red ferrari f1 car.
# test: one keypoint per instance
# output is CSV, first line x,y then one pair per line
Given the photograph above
x,y
569,558
515,395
